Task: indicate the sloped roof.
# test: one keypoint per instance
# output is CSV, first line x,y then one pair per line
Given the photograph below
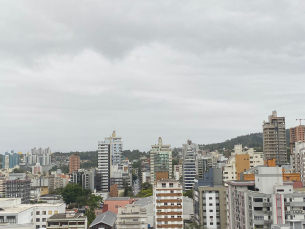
x,y
107,218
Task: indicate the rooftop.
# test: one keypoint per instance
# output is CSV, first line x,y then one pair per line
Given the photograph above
x,y
67,216
108,218
117,198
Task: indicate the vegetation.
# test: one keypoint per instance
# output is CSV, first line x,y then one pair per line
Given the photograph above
x,y
72,193
132,155
16,170
88,164
189,193
146,190
254,140
64,168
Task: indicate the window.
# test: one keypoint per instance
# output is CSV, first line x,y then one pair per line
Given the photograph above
x,y
37,220
210,198
210,204
116,206
172,216
135,219
165,204
44,212
171,185
172,191
37,212
211,223
179,216
163,185
211,211
44,219
1,219
81,223
49,212
55,212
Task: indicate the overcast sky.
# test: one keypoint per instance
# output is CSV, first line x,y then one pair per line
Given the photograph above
x,y
73,71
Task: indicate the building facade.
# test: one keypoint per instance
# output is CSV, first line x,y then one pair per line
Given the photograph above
x,y
37,169
298,160
41,156
74,163
17,186
297,134
131,216
168,204
210,206
109,153
10,160
189,153
274,139
267,200
67,220
241,161
160,160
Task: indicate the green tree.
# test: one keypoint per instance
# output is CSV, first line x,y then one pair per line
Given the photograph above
x,y
189,193
16,170
146,186
93,202
71,192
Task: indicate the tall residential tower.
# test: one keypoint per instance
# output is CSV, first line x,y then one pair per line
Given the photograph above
x,y
189,151
275,139
160,160
109,153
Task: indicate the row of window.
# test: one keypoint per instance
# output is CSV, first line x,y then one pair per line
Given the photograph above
x,y
45,212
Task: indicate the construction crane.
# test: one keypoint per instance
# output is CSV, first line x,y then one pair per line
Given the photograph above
x,y
300,119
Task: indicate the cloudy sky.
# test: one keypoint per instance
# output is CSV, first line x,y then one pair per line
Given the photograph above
x,y
72,71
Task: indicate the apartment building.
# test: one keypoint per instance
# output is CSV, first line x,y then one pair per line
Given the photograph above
x,y
203,165
2,186
189,154
168,204
178,171
298,160
274,139
84,178
18,186
109,153
14,212
160,160
240,161
41,156
265,201
297,134
74,163
210,206
37,169
10,160
131,216
67,220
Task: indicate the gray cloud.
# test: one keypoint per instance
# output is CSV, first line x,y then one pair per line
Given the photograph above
x,y
71,71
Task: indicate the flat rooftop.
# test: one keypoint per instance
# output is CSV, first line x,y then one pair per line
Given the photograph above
x,y
67,216
117,198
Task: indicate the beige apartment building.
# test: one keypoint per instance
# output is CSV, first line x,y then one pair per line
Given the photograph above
x,y
160,160
210,206
168,204
274,137
131,216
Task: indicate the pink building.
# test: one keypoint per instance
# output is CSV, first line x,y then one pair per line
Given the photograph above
x,y
36,169
114,203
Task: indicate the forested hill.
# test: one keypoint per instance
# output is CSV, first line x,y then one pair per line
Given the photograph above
x,y
254,140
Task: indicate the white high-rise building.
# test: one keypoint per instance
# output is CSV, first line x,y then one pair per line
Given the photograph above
x,y
189,151
168,204
109,153
41,156
298,160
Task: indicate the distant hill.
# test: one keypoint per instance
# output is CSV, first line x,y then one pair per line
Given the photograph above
x,y
254,140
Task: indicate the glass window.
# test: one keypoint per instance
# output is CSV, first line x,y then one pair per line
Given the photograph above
x,y
171,185
37,212
11,219
37,220
44,212
49,212
55,212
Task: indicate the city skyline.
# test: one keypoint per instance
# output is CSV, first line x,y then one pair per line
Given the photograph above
x,y
202,70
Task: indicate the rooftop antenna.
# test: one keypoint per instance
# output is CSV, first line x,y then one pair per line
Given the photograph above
x,y
300,119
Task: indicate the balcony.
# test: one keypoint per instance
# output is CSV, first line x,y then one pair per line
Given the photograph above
x,y
267,204
296,204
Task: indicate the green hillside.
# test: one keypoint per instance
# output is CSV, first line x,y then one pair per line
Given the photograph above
x,y
254,140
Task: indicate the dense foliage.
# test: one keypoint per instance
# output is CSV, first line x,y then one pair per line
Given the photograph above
x,y
132,155
189,193
73,192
